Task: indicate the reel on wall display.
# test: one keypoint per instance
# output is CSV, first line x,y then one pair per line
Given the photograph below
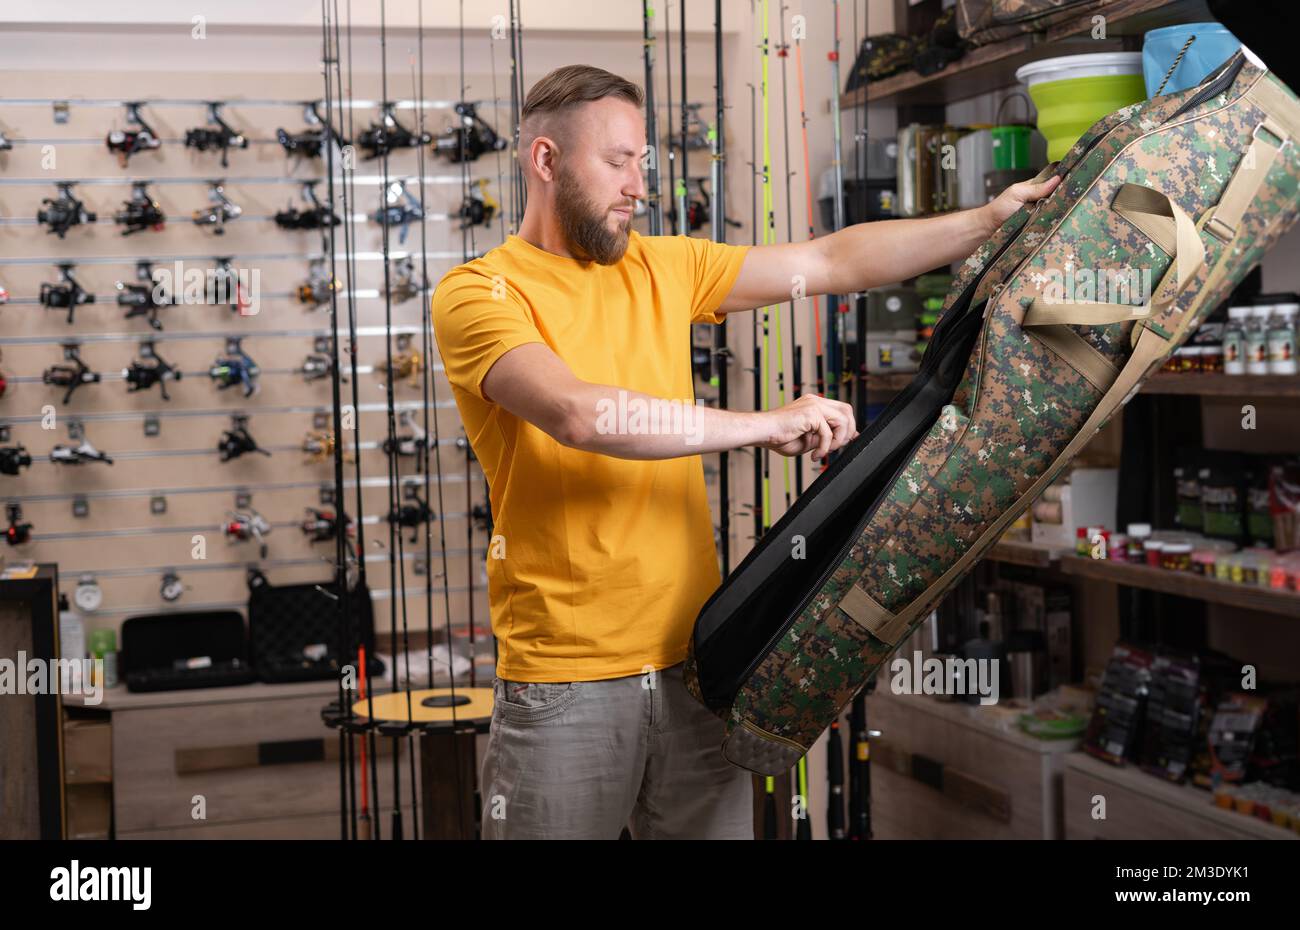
x,y
149,370
412,515
402,209
217,137
319,285
4,295
323,525
79,454
238,441
142,299
5,144
127,142
221,210
235,367
171,588
318,446
316,216
407,362
141,212
416,442
225,289
244,525
310,142
388,135
14,458
469,138
59,214
316,366
67,295
70,376
404,282
479,207
17,532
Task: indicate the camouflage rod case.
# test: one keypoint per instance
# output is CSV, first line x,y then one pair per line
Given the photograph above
x,y
1190,190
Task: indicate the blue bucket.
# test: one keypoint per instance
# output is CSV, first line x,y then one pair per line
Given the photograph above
x,y
1212,47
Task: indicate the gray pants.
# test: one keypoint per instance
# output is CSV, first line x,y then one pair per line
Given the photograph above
x,y
583,759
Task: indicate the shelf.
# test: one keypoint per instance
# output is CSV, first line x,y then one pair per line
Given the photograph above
x,y
993,66
1020,552
1184,584
1223,385
889,383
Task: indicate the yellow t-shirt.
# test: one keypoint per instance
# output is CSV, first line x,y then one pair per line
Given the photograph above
x,y
607,561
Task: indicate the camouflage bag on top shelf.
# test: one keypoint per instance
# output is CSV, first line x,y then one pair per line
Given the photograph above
x,y
1164,206
982,21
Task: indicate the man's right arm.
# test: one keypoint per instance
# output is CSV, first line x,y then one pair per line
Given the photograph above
x,y
534,384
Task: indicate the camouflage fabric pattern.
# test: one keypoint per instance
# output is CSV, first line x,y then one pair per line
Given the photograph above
x,y
1019,405
984,21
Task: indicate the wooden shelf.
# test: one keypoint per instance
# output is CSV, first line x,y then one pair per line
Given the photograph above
x,y
1223,385
993,66
1184,584
1020,552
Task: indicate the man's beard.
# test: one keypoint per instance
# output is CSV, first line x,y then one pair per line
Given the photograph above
x,y
585,226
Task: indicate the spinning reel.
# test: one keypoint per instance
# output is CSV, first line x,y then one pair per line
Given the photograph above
x,y
416,442
317,216
243,525
319,285
62,213
79,454
412,515
142,299
315,366
69,295
141,212
17,533
404,282
141,377
70,376
407,363
311,141
323,525
13,458
402,208
235,367
127,142
225,289
318,446
237,440
222,137
388,134
479,207
5,144
470,139
221,212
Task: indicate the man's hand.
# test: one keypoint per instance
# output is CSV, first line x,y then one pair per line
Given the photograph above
x,y
811,422
1015,197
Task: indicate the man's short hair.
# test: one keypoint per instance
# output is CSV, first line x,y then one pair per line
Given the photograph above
x,y
567,87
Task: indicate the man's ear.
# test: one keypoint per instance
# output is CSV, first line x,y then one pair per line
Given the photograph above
x,y
542,152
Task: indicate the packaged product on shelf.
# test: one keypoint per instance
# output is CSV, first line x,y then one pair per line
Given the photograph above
x,y
1281,339
1223,501
1187,487
1121,704
1259,518
1177,557
1232,735
1257,339
1234,341
1173,700
1284,505
1137,535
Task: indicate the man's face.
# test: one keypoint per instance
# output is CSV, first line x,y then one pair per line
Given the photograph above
x,y
598,178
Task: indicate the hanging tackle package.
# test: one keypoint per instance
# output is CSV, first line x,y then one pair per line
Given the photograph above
x,y
127,142
388,134
220,211
469,139
67,295
148,370
217,137
60,214
70,376
141,212
316,216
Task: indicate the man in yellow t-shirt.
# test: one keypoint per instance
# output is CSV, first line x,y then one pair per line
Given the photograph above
x,y
568,352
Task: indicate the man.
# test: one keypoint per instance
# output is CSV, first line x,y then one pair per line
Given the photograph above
x,y
603,550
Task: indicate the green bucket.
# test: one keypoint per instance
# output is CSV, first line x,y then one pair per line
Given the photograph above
x,y
1011,147
1071,94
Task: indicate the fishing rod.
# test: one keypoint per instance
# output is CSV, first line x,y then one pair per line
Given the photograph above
x,y
347,787
679,191
675,216
518,191
721,353
835,311
783,52
807,179
653,204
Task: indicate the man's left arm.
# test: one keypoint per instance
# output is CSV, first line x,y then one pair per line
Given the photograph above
x,y
872,254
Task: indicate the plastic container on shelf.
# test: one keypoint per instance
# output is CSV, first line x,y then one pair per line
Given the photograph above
x,y
1072,92
1151,549
1257,339
1234,341
1117,547
1203,562
1176,557
1225,565
1212,359
1281,336
1137,535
